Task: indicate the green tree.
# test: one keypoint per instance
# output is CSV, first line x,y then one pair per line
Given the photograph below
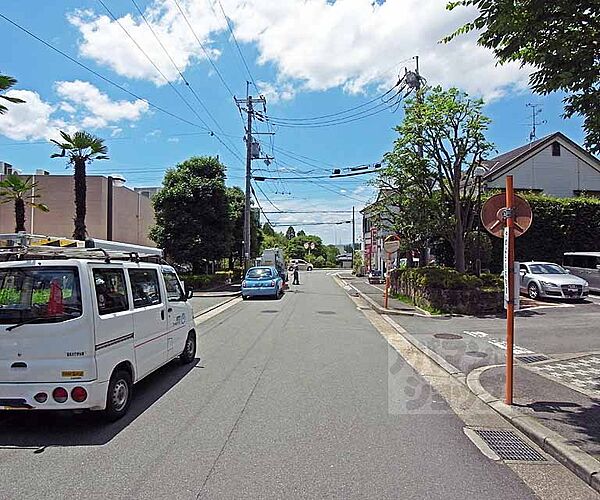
x,y
192,213
331,252
449,128
290,234
559,39
301,233
14,189
268,230
80,148
296,250
6,82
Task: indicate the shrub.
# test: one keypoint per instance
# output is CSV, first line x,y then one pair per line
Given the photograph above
x,y
444,289
559,225
319,261
204,281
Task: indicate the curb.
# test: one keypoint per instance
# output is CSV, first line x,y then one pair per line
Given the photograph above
x,y
582,464
420,313
206,311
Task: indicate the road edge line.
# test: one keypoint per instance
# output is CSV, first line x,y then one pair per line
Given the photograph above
x,y
228,303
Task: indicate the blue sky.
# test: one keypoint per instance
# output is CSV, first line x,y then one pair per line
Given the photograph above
x,y
309,58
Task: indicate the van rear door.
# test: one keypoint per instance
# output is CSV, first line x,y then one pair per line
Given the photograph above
x,y
46,334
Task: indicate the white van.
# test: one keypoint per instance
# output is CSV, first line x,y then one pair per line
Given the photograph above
x,y
79,327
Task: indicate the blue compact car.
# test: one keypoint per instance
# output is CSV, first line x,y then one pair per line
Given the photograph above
x,y
262,281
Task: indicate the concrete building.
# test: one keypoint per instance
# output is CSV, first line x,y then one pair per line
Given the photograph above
x,y
132,212
553,165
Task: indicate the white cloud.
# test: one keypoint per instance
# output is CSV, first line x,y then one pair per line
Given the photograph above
x,y
86,106
276,92
31,120
173,139
105,41
314,45
100,109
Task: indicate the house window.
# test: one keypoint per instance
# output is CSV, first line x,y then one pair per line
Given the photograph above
x,y
555,149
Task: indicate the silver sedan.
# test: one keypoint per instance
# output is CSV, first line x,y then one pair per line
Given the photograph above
x,y
545,279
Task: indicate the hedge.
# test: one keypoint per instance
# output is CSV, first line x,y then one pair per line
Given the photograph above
x,y
559,225
444,289
205,281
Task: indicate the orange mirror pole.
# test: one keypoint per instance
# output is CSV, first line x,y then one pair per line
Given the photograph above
x,y
510,306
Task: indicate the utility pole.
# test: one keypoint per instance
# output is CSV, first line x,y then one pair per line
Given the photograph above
x,y
252,153
353,238
247,206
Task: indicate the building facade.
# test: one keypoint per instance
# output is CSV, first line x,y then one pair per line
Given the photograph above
x,y
132,212
554,165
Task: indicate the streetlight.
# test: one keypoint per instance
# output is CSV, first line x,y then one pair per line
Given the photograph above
x,y
479,173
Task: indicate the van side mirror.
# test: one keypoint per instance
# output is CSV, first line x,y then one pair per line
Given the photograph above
x,y
189,292
568,271
598,267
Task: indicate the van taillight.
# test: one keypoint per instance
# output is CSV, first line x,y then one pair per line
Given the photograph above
x,y
60,395
79,394
41,397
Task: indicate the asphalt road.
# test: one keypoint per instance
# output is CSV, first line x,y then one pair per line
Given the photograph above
x,y
290,400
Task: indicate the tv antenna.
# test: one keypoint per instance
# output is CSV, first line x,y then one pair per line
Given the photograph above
x,y
535,112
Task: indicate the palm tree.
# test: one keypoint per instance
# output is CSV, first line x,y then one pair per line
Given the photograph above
x,y
80,148
6,82
14,189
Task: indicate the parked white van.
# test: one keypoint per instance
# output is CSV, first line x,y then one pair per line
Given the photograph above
x,y
79,327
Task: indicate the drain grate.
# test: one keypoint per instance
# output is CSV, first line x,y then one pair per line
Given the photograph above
x,y
447,336
508,446
533,358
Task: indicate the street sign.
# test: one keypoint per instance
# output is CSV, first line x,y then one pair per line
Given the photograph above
x,y
312,245
306,245
391,244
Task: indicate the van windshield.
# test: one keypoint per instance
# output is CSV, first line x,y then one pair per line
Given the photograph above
x,y
39,294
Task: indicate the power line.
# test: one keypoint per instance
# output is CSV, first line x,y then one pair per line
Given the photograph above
x,y
316,118
311,212
260,206
140,48
237,44
107,80
283,224
267,198
206,53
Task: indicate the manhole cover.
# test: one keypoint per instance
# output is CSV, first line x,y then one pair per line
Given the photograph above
x,y
326,312
508,446
476,354
269,311
447,336
534,358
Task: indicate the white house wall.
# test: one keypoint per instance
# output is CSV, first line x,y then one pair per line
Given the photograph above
x,y
555,175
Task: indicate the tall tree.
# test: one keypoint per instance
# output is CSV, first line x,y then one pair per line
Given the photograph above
x,y
449,128
290,234
192,213
559,39
6,82
17,190
80,148
268,230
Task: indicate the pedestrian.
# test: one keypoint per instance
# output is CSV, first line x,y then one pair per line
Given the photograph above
x,y
296,276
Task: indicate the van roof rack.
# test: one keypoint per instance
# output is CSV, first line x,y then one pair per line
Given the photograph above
x,y
20,246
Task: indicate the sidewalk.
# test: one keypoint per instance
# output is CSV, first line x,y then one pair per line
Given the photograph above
x,y
568,412
205,301
374,295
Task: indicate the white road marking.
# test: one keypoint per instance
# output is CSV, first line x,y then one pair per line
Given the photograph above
x,y
479,335
517,350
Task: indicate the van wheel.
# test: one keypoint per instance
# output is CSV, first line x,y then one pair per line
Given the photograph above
x,y
120,390
189,351
309,268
